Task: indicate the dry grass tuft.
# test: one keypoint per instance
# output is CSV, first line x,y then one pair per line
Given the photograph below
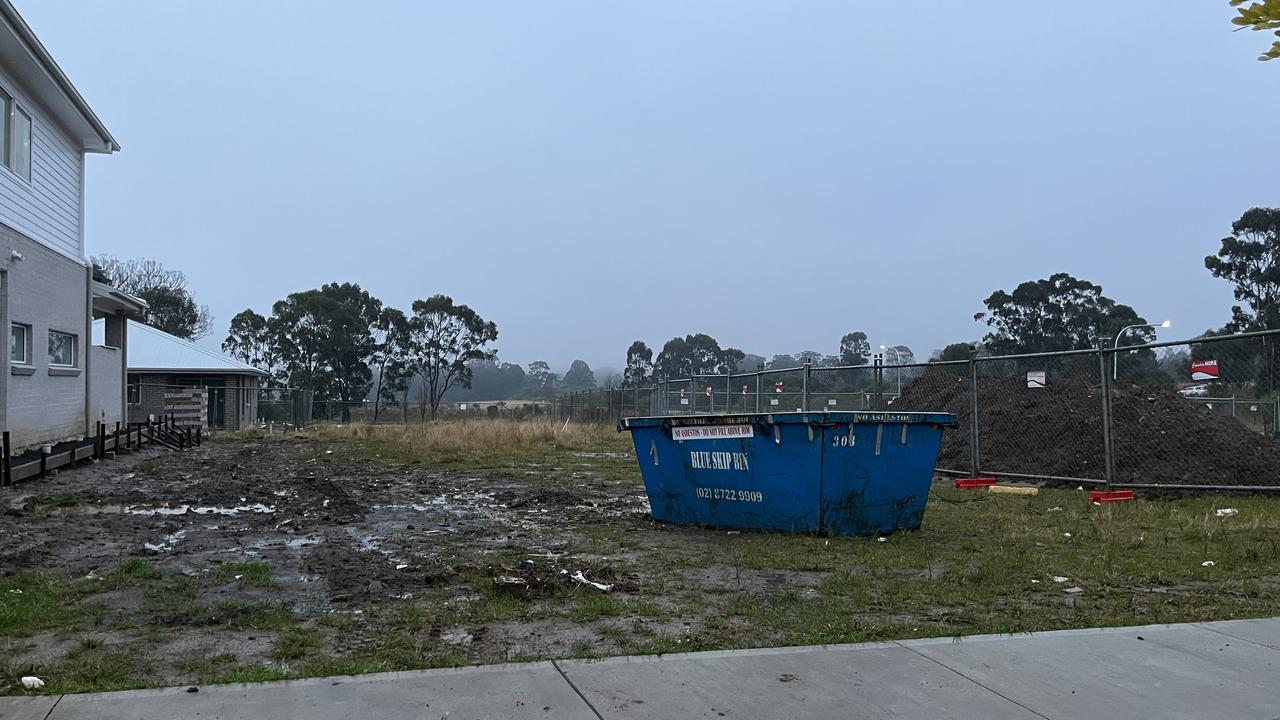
x,y
477,437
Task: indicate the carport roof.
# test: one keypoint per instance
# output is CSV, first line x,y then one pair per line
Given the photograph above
x,y
152,350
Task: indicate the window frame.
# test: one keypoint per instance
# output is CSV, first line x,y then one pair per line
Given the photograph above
x,y
26,340
15,110
9,108
75,349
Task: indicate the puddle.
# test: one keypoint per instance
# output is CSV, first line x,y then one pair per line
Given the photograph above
x,y
167,542
610,455
203,510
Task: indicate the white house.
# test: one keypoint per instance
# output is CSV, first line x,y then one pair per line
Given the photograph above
x,y
55,385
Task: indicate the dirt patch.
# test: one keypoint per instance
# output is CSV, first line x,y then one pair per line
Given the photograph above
x,y
1160,437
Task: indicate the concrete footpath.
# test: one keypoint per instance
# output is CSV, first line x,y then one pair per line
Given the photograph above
x,y
1205,670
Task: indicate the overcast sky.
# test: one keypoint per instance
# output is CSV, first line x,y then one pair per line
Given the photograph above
x,y
585,174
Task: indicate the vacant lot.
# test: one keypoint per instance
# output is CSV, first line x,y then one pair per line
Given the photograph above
x,y
351,549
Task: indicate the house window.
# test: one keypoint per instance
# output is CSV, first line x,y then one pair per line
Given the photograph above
x,y
15,134
20,344
20,159
135,394
62,349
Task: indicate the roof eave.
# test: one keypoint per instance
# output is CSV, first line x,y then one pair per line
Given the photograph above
x,y
105,143
197,371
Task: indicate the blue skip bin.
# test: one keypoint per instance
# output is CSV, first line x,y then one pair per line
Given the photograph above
x,y
845,473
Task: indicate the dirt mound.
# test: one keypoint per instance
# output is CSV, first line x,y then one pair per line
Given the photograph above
x,y
1159,436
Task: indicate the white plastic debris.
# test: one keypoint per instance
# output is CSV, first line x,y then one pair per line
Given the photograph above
x,y
1080,487
15,591
1066,535
1226,512
1074,590
31,682
1036,582
1207,563
1055,508
402,566
328,452
1060,579
734,532
578,577
881,539
239,576
152,547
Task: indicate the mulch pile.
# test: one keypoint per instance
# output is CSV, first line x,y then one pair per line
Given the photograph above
x,y
1159,436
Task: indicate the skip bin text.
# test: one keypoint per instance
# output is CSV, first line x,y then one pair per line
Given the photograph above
x,y
710,460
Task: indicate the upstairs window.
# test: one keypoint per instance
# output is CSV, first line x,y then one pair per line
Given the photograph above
x,y
20,344
20,158
15,131
62,349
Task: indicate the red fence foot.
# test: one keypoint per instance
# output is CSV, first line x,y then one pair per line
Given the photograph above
x,y
974,482
1102,496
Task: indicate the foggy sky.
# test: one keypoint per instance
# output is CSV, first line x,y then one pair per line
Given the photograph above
x,y
586,174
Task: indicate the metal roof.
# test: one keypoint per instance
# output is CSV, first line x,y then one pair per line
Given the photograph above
x,y
152,350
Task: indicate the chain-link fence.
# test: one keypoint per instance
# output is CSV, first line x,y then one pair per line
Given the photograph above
x,y
1195,413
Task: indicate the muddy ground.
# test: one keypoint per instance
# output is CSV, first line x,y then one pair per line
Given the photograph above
x,y
249,559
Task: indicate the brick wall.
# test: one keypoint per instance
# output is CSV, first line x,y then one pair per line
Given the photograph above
x,y
238,398
47,291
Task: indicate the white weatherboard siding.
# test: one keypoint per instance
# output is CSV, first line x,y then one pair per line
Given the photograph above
x,y
48,208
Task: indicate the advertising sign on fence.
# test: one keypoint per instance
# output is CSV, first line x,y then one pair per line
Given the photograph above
x,y
1204,369
777,387
1035,378
744,389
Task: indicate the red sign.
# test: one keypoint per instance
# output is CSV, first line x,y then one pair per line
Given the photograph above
x,y
1204,369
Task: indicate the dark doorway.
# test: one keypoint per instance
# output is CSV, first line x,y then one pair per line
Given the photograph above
x,y
215,386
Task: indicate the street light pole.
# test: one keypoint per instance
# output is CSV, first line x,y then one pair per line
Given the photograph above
x,y
897,372
1115,361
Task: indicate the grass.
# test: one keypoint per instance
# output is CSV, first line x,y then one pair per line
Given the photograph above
x,y
473,444
980,564
246,574
32,602
67,500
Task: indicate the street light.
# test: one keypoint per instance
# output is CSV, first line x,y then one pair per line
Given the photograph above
x,y
897,372
1115,361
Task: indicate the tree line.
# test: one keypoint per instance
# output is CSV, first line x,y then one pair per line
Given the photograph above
x,y
339,342
1057,313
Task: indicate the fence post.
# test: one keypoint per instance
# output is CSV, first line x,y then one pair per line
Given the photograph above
x,y
975,458
804,388
728,393
1107,458
759,373
693,395
879,381
8,464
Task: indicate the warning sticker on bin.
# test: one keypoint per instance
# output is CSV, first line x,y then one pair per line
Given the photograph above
x,y
712,432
